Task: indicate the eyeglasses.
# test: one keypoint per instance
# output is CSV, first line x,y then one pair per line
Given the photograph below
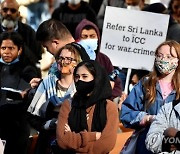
x,y
167,57
12,10
67,60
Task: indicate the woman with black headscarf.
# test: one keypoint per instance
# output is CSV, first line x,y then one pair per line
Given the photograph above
x,y
88,123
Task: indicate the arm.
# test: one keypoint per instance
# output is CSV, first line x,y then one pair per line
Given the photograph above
x,y
39,101
122,98
108,136
68,139
112,84
132,110
155,135
35,82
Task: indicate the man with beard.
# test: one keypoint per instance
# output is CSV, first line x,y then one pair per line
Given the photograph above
x,y
9,21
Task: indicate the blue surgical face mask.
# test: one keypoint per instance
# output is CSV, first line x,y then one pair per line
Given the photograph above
x,y
93,43
13,62
90,45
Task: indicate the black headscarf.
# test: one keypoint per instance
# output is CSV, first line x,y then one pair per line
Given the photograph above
x,y
81,50
102,90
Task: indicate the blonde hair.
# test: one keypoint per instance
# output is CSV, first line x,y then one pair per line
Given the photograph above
x,y
150,83
71,49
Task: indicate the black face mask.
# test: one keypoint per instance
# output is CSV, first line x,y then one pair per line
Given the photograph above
x,y
83,87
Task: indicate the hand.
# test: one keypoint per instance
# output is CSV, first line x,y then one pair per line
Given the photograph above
x,y
24,93
98,135
171,132
35,82
147,120
87,116
121,100
67,128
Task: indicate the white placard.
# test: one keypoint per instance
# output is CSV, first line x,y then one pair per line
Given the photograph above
x,y
130,37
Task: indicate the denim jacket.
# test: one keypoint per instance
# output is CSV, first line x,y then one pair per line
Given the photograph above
x,y
133,110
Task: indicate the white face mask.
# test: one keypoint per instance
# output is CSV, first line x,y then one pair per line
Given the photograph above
x,y
130,7
8,23
74,2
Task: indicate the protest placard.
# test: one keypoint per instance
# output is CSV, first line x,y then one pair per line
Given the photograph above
x,y
130,37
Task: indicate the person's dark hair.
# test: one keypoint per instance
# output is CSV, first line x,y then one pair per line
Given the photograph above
x,y
14,36
89,66
155,8
88,27
52,29
101,81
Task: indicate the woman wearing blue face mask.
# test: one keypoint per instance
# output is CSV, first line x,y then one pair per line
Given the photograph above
x,y
160,86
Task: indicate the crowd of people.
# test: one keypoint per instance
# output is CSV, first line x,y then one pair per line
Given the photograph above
x,y
76,107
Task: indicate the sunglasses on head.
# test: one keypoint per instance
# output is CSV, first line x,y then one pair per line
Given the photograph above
x,y
12,10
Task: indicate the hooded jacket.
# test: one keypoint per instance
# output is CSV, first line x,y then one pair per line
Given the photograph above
x,y
100,57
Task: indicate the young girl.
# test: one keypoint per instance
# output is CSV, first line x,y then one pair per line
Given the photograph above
x,y
88,123
161,86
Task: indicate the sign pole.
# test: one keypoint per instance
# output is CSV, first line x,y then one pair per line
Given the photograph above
x,y
127,80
